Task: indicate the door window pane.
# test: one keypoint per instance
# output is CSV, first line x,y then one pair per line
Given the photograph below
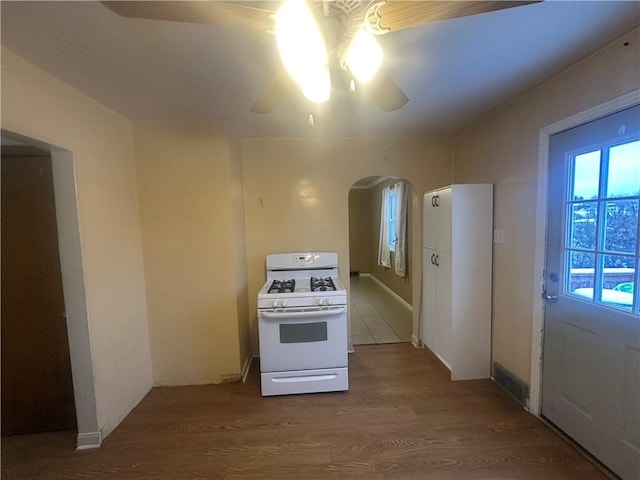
x,y
623,179
621,226
601,246
583,226
580,274
618,280
586,176
636,287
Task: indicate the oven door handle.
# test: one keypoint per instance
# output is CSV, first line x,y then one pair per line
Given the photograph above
x,y
304,314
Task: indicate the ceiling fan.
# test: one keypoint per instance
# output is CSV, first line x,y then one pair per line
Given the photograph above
x,y
343,31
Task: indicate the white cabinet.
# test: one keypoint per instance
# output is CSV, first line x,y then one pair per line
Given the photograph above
x,y
456,288
437,211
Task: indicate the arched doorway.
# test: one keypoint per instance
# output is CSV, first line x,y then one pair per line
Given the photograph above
x,y
381,297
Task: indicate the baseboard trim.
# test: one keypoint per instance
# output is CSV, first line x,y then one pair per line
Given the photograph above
x,y
106,430
246,367
389,291
88,441
415,341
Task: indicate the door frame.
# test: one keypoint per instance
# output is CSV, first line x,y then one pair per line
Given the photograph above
x,y
540,253
73,285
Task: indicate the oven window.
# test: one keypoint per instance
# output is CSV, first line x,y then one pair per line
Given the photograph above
x,y
303,332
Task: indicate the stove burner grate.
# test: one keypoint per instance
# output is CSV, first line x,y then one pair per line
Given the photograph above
x,y
282,286
322,284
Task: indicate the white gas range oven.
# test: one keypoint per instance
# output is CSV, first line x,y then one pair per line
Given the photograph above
x,y
302,325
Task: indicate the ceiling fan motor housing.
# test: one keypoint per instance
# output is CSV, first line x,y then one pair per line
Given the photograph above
x,y
347,17
351,15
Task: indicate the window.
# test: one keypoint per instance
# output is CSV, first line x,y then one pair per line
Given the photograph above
x,y
391,223
601,240
393,228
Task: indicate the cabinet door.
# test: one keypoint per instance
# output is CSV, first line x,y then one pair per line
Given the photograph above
x,y
429,300
443,291
436,227
429,221
443,203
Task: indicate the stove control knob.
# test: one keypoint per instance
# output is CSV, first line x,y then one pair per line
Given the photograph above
x,y
320,301
328,301
275,304
283,303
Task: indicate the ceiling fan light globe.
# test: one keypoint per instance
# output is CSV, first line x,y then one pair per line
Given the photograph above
x,y
301,46
317,87
364,56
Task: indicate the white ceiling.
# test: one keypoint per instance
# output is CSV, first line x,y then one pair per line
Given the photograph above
x,y
453,71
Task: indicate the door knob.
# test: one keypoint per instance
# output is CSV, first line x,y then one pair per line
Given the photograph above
x,y
550,297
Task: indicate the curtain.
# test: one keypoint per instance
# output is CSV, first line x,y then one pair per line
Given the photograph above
x,y
384,255
400,215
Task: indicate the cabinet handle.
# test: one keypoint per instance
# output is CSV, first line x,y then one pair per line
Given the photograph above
x,y
432,261
436,260
437,200
433,200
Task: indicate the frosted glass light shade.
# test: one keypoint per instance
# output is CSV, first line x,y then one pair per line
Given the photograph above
x,y
302,49
364,56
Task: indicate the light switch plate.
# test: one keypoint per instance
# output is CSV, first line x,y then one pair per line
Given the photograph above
x,y
498,236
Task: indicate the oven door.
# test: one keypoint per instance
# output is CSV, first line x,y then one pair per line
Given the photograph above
x,y
302,338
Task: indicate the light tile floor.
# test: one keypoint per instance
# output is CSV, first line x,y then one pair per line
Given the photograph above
x,y
376,316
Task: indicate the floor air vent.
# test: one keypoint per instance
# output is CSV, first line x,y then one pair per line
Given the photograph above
x,y
515,387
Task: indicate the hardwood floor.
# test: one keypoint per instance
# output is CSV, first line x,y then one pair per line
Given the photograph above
x,y
401,419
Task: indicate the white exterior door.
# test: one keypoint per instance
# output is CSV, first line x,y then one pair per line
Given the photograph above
x,y
591,353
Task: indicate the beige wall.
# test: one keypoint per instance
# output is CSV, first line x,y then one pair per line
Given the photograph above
x,y
296,193
187,186
239,243
360,230
502,148
40,107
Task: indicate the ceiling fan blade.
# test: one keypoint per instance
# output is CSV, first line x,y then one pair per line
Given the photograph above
x,y
398,15
386,93
339,78
275,92
211,13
